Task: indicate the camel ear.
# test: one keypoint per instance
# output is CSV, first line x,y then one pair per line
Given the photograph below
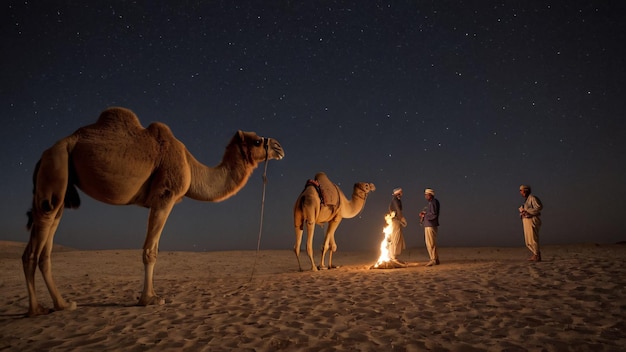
x,y
240,134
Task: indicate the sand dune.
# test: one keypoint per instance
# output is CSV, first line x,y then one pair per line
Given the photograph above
x,y
478,299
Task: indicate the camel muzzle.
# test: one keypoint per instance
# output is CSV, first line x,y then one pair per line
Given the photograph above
x,y
277,149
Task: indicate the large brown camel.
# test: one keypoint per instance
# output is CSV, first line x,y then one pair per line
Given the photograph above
x,y
321,202
117,161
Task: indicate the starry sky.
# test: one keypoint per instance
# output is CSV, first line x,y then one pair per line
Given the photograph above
x,y
471,98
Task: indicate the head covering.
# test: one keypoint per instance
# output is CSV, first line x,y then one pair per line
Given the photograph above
x,y
396,191
429,191
524,187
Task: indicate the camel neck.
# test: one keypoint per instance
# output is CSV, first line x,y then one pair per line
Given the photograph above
x,y
214,184
352,207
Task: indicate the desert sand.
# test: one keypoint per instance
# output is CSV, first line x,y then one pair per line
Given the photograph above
x,y
478,299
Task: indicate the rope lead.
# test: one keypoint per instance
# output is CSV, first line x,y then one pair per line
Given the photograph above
x,y
258,245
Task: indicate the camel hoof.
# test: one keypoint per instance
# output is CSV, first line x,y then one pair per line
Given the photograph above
x,y
39,310
67,306
322,267
333,267
151,301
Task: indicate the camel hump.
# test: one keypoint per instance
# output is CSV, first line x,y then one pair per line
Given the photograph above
x,y
328,189
161,132
118,117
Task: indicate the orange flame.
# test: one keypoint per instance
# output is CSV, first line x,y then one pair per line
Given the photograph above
x,y
384,245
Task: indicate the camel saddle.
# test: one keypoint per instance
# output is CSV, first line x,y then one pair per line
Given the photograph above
x,y
327,190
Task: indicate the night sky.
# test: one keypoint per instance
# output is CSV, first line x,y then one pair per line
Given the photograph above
x,y
471,99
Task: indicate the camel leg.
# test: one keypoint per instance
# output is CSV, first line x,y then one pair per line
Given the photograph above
x,y
330,234
30,259
310,228
38,253
296,248
156,222
45,266
333,249
50,185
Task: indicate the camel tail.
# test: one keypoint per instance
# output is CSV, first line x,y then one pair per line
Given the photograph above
x,y
72,199
29,224
297,217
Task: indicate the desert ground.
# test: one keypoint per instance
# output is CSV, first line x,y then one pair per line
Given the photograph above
x,y
478,299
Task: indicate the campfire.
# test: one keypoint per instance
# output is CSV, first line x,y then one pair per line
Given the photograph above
x,y
385,260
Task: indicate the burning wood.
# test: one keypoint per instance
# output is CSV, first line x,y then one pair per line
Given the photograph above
x,y
385,260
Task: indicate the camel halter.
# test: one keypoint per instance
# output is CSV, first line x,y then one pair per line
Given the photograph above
x,y
364,201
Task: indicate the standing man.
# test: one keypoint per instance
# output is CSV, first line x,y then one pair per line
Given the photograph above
x,y
430,219
396,240
530,213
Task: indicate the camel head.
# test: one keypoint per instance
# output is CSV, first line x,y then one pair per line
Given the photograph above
x,y
361,189
365,187
256,149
